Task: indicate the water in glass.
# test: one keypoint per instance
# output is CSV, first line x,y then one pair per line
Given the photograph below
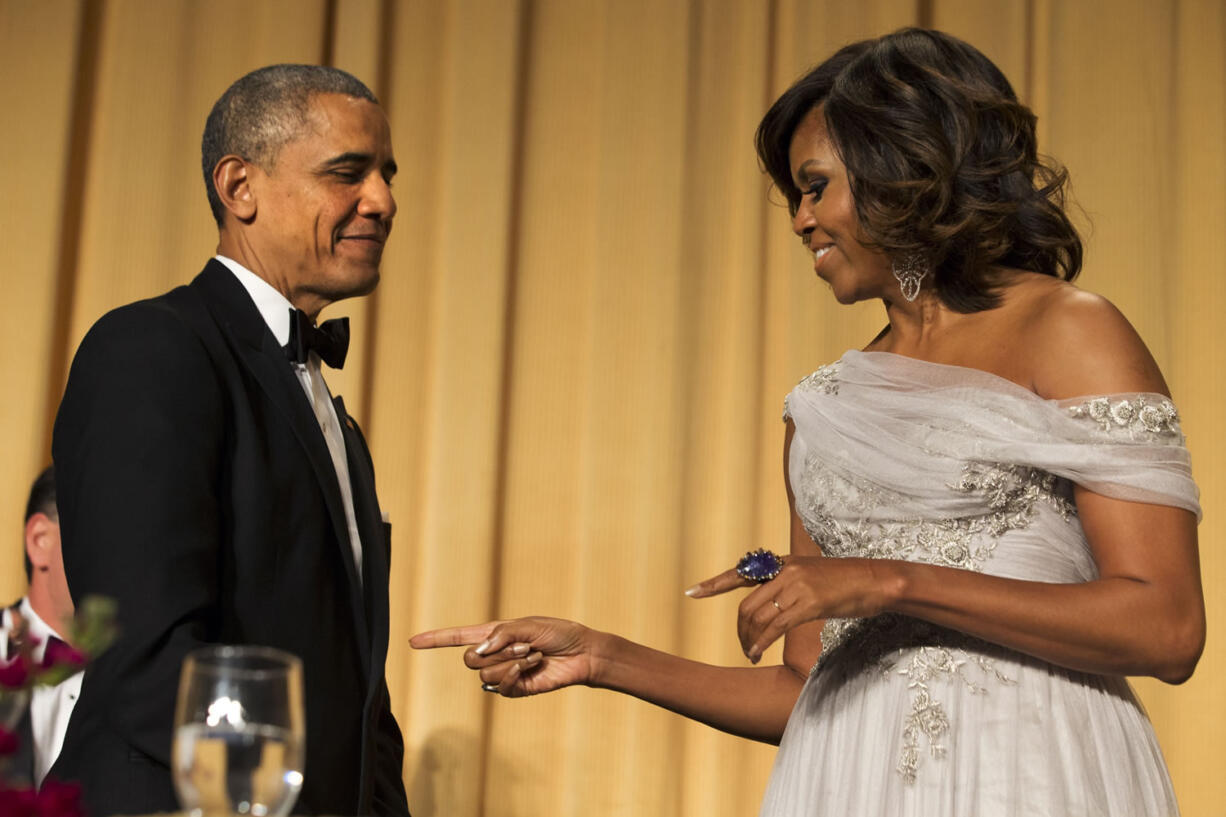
x,y
239,735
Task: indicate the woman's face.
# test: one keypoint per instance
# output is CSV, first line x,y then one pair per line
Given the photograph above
x,y
826,219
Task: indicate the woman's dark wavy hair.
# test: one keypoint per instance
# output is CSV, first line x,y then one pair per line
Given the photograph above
x,y
941,158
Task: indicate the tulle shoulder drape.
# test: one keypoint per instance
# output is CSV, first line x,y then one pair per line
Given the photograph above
x,y
908,427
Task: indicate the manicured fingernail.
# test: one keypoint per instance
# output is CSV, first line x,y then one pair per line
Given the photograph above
x,y
490,688
693,591
520,649
534,659
482,647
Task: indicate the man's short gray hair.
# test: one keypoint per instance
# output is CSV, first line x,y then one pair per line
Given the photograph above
x,y
264,110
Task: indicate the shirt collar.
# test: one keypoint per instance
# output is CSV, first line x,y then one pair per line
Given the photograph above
x,y
274,307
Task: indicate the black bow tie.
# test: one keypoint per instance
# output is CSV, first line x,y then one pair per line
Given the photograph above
x,y
329,340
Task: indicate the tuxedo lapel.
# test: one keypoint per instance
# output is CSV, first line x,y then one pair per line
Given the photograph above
x,y
376,555
236,315
375,544
20,764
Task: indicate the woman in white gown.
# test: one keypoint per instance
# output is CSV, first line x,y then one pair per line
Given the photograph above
x,y
994,519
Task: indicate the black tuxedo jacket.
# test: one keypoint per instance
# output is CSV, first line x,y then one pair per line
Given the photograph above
x,y
19,766
195,488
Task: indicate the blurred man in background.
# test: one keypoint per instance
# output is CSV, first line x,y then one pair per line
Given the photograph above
x,y
43,620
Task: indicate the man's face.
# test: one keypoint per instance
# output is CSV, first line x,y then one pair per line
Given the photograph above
x,y
324,209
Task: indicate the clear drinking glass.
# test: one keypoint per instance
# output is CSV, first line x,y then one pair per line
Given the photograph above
x,y
240,736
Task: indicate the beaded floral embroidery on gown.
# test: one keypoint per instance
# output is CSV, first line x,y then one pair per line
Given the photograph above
x,y
897,458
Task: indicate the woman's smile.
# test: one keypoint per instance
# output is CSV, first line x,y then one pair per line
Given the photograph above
x,y
818,254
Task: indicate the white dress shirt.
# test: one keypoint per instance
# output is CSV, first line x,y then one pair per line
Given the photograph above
x,y
274,307
50,706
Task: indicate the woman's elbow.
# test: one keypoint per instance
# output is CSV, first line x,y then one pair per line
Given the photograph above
x,y
1181,649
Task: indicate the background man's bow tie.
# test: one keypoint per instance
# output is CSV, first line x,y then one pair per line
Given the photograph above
x,y
329,340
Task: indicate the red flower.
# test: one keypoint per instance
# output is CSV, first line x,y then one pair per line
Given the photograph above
x,y
15,673
59,653
55,799
17,802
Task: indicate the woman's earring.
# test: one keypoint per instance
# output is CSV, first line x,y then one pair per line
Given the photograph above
x,y
910,271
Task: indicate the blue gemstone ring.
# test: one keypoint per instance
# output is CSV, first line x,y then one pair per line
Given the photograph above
x,y
759,566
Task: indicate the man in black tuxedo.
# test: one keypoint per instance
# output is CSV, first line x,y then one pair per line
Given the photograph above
x,y
42,618
207,480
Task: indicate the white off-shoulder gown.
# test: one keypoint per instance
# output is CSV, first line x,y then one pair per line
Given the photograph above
x,y
897,458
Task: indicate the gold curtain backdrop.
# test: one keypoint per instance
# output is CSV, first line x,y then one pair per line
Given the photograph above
x,y
572,373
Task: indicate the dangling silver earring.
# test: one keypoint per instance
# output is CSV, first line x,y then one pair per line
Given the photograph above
x,y
910,270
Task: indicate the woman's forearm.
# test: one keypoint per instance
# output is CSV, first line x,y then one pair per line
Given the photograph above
x,y
1114,625
752,702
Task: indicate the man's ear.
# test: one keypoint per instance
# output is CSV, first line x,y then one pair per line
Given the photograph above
x,y
41,538
232,181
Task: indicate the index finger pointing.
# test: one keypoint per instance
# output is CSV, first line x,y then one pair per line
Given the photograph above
x,y
722,583
453,636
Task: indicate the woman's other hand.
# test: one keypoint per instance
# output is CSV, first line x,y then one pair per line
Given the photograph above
x,y
808,588
525,656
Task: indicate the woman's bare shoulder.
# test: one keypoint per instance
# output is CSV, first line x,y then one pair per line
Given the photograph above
x,y
1082,344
